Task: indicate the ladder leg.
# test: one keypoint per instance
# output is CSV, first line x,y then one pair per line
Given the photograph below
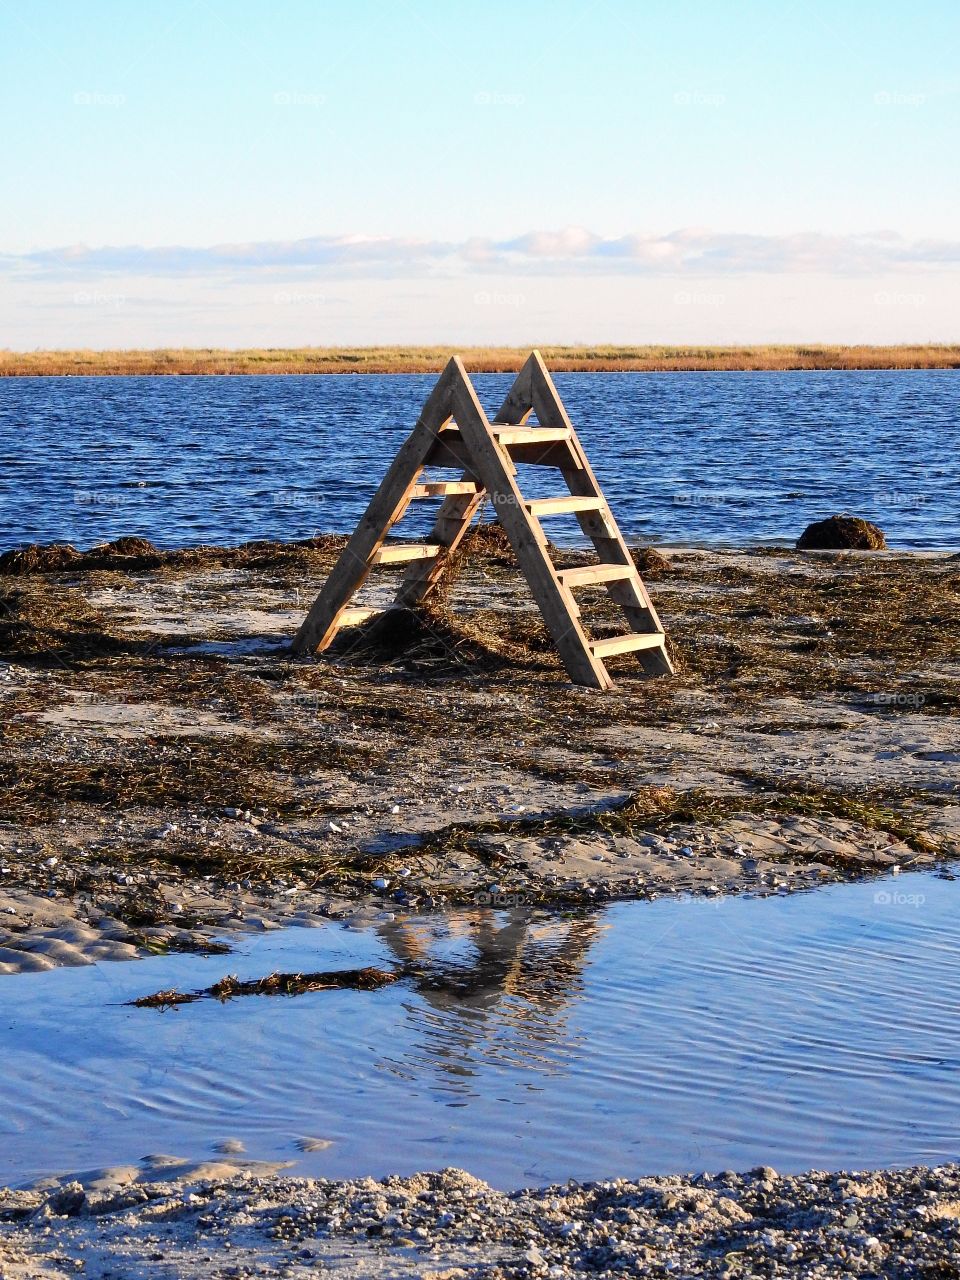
x,y
556,602
386,507
630,594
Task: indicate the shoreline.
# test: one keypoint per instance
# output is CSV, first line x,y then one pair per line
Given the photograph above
x,y
601,358
173,1219
171,776
170,773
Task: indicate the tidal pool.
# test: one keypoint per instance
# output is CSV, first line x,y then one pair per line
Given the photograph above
x,y
816,1030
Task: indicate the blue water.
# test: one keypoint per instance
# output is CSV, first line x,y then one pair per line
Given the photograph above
x,y
716,458
818,1029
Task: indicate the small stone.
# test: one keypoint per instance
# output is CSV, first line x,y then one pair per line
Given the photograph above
x,y
230,1147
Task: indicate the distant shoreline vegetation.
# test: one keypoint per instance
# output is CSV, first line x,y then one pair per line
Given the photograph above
x,y
400,359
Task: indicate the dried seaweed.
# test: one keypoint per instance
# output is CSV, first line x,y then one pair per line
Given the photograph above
x,y
275,984
130,554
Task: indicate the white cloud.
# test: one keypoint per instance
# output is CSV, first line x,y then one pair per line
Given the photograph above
x,y
688,286
567,251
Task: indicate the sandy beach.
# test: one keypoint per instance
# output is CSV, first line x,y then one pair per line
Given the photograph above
x,y
172,777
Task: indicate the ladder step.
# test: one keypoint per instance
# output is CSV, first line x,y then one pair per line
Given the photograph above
x,y
401,553
443,488
610,645
508,435
540,507
588,574
354,617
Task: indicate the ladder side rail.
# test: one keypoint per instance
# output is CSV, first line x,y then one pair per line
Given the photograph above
x,y
559,610
385,507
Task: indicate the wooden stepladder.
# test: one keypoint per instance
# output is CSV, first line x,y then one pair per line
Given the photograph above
x,y
453,432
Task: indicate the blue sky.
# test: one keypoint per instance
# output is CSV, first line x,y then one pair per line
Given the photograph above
x,y
418,171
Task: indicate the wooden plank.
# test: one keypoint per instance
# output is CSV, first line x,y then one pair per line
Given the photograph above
x,y
354,617
518,406
526,537
541,507
511,435
320,625
556,454
629,643
443,488
589,575
400,553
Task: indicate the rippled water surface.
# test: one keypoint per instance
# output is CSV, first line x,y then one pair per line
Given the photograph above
x,y
724,458
815,1030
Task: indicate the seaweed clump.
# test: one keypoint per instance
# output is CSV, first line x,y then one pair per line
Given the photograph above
x,y
842,533
275,984
133,554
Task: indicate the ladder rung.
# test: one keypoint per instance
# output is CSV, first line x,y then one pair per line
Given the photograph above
x,y
354,617
443,488
539,507
591,573
508,435
610,645
401,552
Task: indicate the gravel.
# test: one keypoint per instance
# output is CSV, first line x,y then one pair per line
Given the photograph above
x,y
450,1226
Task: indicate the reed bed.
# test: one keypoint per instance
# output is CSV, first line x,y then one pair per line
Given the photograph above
x,y
604,358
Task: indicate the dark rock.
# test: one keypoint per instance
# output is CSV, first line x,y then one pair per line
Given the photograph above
x,y
840,533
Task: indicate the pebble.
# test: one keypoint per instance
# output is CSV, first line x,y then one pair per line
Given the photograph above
x,y
691,1227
